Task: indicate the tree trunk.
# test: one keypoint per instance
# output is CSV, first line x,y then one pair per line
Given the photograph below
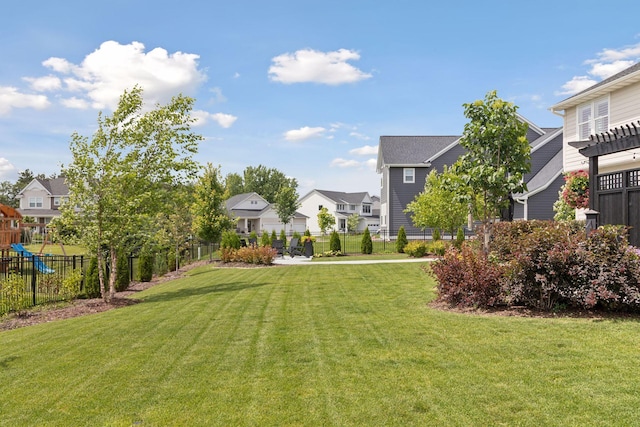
x,y
101,270
114,272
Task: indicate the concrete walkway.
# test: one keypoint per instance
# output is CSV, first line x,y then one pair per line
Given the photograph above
x,y
300,260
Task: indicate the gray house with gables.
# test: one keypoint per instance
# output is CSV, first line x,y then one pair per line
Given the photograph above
x,y
405,161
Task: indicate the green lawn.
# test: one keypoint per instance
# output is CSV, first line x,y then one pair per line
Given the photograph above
x,y
343,345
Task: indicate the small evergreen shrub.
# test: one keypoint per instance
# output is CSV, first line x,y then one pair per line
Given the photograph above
x,y
145,265
265,240
283,237
435,234
273,235
230,240
92,279
459,238
416,249
122,277
401,241
334,242
296,235
366,246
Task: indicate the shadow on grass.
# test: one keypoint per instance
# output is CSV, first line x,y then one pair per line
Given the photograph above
x,y
201,290
4,363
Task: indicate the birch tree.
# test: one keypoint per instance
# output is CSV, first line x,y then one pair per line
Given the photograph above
x,y
118,178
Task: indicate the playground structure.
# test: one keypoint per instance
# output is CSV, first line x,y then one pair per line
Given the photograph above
x,y
10,220
10,232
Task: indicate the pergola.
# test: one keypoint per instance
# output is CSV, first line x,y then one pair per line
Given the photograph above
x,y
615,196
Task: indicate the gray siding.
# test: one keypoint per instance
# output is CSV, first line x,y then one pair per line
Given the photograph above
x,y
383,190
401,195
541,205
543,155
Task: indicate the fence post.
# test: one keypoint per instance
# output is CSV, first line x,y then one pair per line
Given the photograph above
x,y
34,271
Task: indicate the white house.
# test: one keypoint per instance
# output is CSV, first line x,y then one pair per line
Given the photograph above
x,y
254,213
41,199
341,205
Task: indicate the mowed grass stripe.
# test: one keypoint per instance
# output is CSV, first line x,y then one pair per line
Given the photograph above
x,y
316,345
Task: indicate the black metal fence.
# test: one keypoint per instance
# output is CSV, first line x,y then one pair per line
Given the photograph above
x,y
26,281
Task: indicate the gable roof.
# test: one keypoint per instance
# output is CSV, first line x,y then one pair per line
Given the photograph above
x,y
233,201
402,150
623,78
544,177
342,197
54,186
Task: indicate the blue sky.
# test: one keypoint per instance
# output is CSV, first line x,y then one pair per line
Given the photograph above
x,y
306,87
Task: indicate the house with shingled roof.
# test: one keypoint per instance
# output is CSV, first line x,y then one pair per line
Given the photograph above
x,y
341,205
253,213
601,132
41,199
405,161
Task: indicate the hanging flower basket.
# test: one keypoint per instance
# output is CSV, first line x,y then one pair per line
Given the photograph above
x,y
575,192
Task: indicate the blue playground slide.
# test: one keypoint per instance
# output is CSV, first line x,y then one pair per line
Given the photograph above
x,y
41,266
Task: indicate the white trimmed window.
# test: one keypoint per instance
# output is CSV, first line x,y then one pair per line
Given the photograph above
x,y
56,201
593,118
340,207
366,209
409,175
35,202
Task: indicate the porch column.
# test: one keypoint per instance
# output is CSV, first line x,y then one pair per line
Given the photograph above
x,y
594,205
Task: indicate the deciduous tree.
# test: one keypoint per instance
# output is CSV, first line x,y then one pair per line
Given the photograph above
x,y
286,204
325,220
118,178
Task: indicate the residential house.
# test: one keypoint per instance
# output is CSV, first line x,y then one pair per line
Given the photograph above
x,y
341,205
41,199
254,213
405,161
601,135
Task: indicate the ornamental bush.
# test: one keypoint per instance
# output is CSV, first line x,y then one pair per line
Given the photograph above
x,y
366,246
415,249
145,264
250,255
468,278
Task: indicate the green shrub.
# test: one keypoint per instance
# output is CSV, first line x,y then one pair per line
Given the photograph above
x,y
92,279
435,234
366,246
122,277
253,236
171,259
416,249
438,247
459,238
230,240
401,241
13,294
265,240
71,284
296,235
334,242
273,235
145,264
283,237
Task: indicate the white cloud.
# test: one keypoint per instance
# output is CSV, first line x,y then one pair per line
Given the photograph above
x,y
607,63
312,66
203,117
105,73
344,163
73,102
6,168
359,136
371,164
43,84
303,133
10,98
575,85
603,71
365,150
218,97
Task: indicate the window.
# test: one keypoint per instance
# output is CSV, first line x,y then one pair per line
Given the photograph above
x,y
56,201
35,202
319,207
340,207
409,175
352,207
366,209
593,118
254,202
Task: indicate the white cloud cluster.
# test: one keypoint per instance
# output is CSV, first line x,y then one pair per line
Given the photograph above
x,y
203,117
366,150
6,168
304,133
607,63
11,97
339,162
101,78
312,66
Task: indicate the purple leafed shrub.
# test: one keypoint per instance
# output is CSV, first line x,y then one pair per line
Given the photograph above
x,y
468,278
